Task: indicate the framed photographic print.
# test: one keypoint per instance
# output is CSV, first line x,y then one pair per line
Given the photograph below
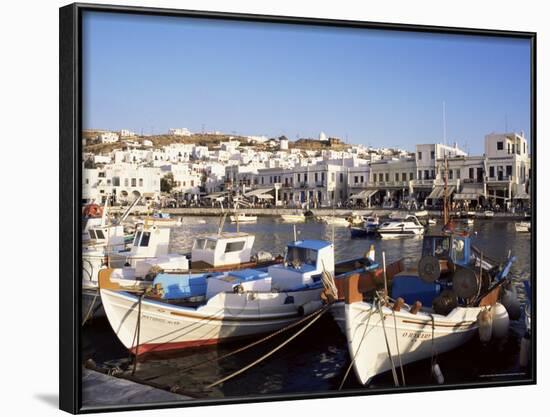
x,y
258,208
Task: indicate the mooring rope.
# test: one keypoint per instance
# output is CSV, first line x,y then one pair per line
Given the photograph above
x,y
256,342
394,372
398,350
87,316
138,326
271,352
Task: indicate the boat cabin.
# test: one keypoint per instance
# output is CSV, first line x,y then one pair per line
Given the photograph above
x,y
457,247
150,242
223,249
305,261
112,236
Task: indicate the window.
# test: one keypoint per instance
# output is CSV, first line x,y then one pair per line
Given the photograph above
x,y
387,176
381,177
500,146
396,176
316,178
322,176
411,176
341,177
116,181
299,177
450,174
419,155
262,180
145,239
426,174
199,244
141,182
91,233
126,182
133,182
305,177
524,148
458,173
356,179
471,173
432,174
491,172
299,256
210,244
99,234
404,176
234,246
87,181
432,154
362,179
508,170
419,175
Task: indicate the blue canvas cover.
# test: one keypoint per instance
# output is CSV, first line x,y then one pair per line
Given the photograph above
x,y
411,288
177,286
248,274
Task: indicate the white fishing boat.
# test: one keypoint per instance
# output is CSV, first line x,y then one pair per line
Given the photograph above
x,y
333,220
420,319
432,222
243,218
523,227
185,310
421,213
488,214
293,218
407,226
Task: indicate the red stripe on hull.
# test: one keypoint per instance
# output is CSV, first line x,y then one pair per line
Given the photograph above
x,y
174,346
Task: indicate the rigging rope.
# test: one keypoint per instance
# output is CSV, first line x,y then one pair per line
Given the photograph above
x,y
240,371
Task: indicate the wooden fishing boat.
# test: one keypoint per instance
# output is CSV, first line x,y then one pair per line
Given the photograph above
x,y
452,296
200,309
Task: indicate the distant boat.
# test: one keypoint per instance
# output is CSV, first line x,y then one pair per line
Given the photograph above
x,y
422,213
488,214
336,221
432,222
523,227
160,219
243,218
293,218
408,226
369,228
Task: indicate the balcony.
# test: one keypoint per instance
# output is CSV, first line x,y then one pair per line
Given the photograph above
x,y
501,178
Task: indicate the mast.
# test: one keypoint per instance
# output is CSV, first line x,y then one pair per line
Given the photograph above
x,y
445,190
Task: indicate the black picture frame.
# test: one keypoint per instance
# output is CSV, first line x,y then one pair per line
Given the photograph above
x,y
70,123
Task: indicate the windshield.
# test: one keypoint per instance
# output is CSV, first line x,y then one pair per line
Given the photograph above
x,y
299,256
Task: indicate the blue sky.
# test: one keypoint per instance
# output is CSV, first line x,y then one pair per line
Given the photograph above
x,y
379,88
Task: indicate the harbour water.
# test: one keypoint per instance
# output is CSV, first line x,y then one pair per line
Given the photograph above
x,y
317,360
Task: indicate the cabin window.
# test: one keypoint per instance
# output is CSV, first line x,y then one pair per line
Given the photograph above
x,y
210,244
92,234
458,247
298,256
100,234
199,244
438,247
145,239
234,246
136,239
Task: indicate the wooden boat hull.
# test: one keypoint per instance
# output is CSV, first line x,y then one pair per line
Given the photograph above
x,y
225,317
415,338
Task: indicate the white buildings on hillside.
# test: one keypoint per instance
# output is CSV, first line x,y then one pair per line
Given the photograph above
x,y
180,131
108,137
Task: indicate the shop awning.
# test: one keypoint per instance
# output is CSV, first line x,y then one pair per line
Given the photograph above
x,y
439,192
264,197
469,192
257,192
363,195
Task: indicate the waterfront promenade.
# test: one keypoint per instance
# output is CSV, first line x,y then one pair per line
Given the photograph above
x,y
277,211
